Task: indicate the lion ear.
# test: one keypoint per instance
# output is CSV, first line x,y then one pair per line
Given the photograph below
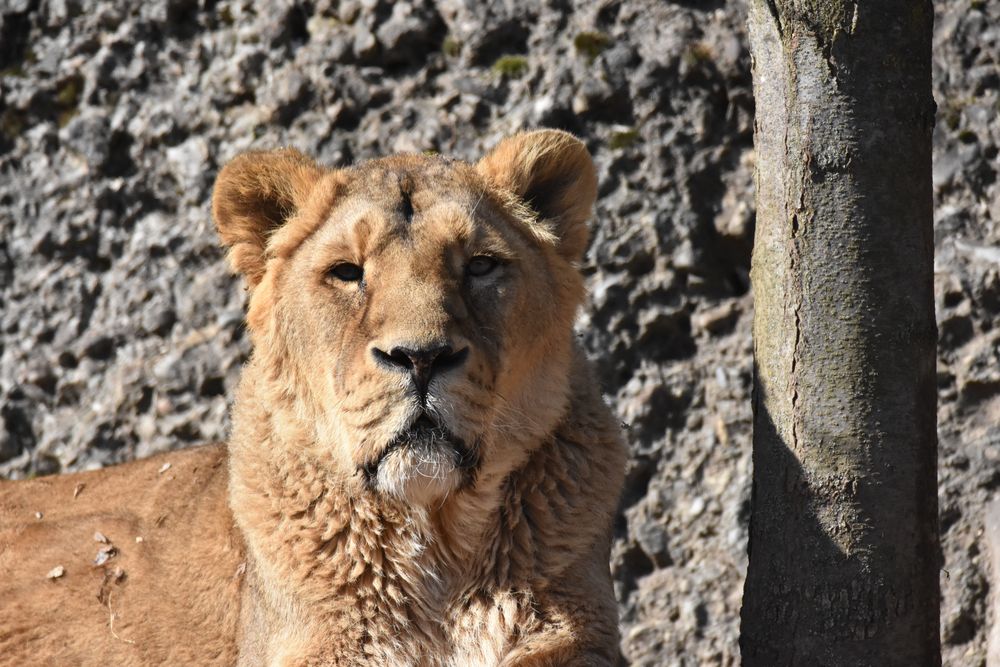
x,y
552,172
254,195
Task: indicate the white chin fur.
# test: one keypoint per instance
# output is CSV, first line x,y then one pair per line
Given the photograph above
x,y
420,476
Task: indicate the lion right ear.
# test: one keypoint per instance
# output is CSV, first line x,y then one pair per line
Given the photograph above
x,y
254,195
552,172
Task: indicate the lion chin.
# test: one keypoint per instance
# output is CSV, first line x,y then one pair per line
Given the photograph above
x,y
422,464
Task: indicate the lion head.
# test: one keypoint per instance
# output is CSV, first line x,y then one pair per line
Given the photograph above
x,y
411,316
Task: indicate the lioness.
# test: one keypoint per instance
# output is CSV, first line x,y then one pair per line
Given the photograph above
x,y
421,469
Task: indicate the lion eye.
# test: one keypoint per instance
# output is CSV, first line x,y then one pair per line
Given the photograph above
x,y
480,265
349,273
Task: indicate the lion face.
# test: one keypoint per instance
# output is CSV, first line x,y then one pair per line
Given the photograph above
x,y
414,312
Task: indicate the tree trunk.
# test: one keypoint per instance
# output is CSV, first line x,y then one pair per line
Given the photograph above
x,y
844,550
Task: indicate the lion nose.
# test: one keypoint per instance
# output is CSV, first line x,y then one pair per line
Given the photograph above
x,y
422,363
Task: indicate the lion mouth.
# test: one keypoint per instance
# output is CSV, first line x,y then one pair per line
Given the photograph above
x,y
426,437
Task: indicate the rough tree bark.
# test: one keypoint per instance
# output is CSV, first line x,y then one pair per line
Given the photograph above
x,y
844,550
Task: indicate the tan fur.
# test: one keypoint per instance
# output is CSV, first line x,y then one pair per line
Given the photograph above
x,y
174,601
359,538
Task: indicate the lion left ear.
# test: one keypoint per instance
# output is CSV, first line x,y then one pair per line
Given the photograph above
x,y
552,172
254,196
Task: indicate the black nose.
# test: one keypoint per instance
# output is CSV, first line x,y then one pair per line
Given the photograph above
x,y
422,363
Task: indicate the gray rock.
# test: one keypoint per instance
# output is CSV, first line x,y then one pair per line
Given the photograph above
x,y
411,33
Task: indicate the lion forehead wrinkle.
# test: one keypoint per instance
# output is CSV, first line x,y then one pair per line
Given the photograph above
x,y
356,226
445,209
